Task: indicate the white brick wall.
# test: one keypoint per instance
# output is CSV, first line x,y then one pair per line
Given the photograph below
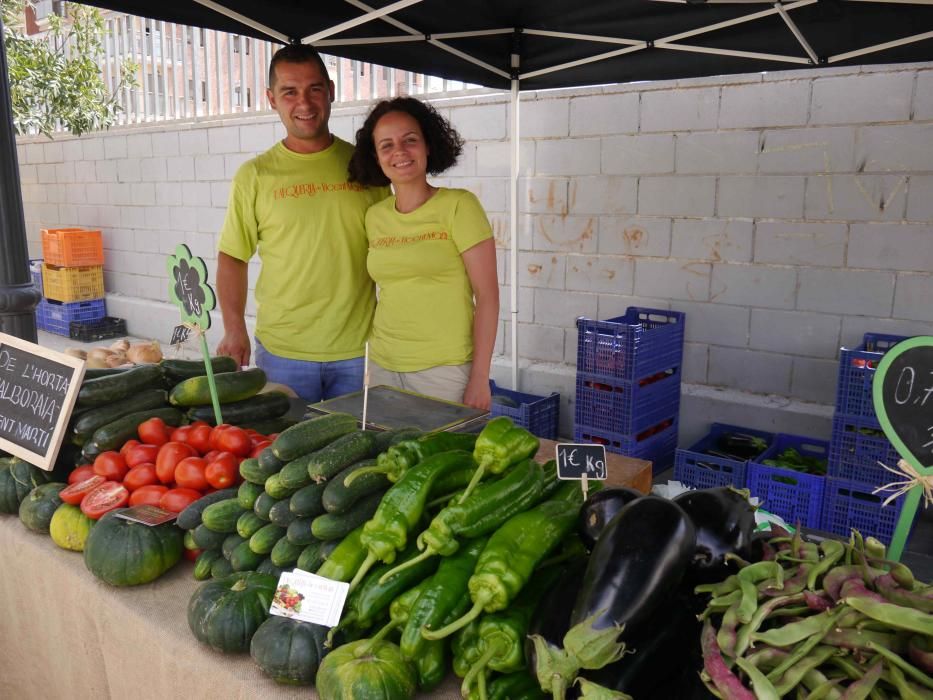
x,y
786,214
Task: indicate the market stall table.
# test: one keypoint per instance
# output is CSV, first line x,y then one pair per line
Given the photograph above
x,y
66,634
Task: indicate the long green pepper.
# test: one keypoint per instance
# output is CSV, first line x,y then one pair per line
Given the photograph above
x,y
346,558
500,445
402,456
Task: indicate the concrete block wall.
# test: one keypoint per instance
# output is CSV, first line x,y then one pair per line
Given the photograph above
x,y
787,214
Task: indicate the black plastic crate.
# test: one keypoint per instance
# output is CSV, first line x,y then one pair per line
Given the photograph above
x,y
101,329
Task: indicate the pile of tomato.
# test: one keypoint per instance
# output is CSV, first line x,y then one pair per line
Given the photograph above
x,y
166,467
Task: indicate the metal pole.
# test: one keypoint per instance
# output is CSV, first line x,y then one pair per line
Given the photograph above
x,y
18,297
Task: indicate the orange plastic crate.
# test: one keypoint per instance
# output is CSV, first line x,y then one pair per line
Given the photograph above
x,y
73,283
72,247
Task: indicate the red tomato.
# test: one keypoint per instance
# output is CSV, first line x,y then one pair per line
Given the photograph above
x,y
85,471
235,440
200,438
215,434
189,473
192,554
211,456
103,499
110,465
199,423
141,475
149,495
127,445
181,434
154,431
170,454
141,454
176,500
76,492
223,471
259,447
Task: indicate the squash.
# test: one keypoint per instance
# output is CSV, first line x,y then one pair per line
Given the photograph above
x,y
368,668
224,613
17,479
70,527
40,504
124,553
289,651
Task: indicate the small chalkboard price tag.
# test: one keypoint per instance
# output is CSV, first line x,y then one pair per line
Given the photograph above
x,y
180,334
902,393
38,389
581,462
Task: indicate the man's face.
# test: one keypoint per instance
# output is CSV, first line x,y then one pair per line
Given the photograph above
x,y
302,97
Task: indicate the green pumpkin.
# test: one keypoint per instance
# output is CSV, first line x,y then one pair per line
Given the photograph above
x,y
39,506
124,553
288,651
366,670
70,527
224,613
17,479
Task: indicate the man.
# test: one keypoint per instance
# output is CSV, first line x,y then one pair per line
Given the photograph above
x,y
294,205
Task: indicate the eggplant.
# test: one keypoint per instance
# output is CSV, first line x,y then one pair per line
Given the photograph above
x,y
600,508
552,615
637,563
725,523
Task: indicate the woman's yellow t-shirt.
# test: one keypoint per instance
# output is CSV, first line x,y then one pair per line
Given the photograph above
x,y
424,312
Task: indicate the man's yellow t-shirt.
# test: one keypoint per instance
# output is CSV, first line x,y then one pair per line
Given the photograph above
x,y
314,299
424,317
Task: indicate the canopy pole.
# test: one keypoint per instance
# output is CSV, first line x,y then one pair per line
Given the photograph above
x,y
514,135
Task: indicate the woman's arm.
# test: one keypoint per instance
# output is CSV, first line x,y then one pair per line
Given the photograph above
x,y
480,263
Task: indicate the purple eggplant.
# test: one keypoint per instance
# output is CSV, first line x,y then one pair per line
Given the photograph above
x,y
552,615
600,508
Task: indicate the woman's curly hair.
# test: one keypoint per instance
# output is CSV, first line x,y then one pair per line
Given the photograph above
x,y
443,142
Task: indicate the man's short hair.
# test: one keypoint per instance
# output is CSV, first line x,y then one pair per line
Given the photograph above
x,y
296,53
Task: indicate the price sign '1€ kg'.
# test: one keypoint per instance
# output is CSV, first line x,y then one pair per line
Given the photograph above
x,y
576,461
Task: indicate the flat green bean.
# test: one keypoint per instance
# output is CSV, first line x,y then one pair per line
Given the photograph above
x,y
827,623
893,615
893,675
763,688
832,553
790,634
794,675
764,611
905,666
821,687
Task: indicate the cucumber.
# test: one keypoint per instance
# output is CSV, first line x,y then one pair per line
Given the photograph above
x,y
251,472
176,371
190,517
387,438
247,494
245,559
284,553
223,515
340,454
113,387
113,435
275,488
231,542
231,386
307,501
96,372
335,526
264,539
294,475
339,498
249,524
188,542
315,554
267,567
311,435
281,513
202,565
256,408
263,505
206,538
299,531
221,568
95,418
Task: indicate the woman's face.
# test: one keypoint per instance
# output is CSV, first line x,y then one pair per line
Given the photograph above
x,y
400,148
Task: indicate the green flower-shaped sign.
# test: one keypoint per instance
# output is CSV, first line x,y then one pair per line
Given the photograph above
x,y
188,287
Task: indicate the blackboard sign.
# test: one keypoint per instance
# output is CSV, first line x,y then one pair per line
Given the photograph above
x,y
907,399
180,334
38,388
574,461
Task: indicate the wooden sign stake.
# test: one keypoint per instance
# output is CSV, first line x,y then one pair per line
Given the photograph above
x,y
365,382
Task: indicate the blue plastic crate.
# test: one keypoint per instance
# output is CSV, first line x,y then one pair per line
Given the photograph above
x,y
656,445
537,414
795,496
56,316
631,347
857,372
849,504
695,468
855,448
35,271
626,407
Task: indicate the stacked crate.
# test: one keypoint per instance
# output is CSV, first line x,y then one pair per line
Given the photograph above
x,y
856,447
704,465
628,383
72,280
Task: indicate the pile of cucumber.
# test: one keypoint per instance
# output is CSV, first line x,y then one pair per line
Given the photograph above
x,y
113,402
293,507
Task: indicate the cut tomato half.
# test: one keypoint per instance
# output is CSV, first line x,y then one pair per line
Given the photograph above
x,y
75,493
103,499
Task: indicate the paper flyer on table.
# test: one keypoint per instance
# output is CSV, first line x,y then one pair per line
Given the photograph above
x,y
305,596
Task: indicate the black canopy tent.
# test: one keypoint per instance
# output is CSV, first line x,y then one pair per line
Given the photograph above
x,y
514,44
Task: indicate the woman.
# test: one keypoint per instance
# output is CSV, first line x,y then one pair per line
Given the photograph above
x,y
432,255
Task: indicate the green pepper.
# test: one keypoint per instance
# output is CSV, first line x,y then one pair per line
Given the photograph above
x,y
401,457
464,648
431,662
500,445
515,686
511,555
346,558
401,508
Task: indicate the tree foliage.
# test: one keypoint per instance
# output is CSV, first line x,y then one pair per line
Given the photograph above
x,y
59,80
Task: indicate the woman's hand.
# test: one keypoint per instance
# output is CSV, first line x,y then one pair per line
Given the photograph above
x,y
477,394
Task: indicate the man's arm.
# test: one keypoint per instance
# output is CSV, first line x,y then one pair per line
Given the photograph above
x,y
231,292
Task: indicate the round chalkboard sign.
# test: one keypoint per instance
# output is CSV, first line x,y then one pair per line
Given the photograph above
x,y
188,287
906,394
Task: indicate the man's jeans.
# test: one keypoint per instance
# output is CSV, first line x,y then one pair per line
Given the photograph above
x,y
312,381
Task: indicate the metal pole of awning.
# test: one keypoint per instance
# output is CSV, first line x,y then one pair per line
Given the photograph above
x,y
18,296
515,140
